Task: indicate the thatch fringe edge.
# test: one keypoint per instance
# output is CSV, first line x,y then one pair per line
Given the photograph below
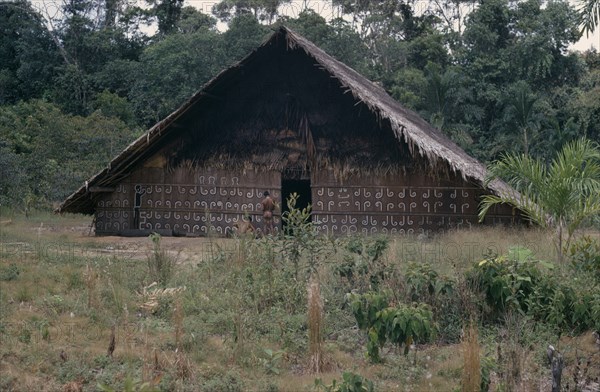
x,y
372,96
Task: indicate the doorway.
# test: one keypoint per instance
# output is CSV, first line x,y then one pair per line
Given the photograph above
x,y
301,187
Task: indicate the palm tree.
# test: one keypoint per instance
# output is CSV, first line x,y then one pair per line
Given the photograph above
x,y
589,15
560,195
520,109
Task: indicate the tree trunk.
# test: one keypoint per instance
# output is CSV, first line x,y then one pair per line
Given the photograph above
x,y
560,241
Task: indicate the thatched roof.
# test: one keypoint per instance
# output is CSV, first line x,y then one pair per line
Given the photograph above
x,y
408,127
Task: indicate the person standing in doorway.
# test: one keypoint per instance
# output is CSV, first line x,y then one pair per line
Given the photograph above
x,y
268,206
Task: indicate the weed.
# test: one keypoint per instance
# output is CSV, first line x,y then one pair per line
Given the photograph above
x,y
228,382
182,366
239,336
43,327
90,277
25,335
585,256
24,294
271,361
160,264
350,382
74,280
363,265
8,382
425,284
178,323
487,365
512,355
315,326
112,343
11,272
131,385
471,377
402,324
300,235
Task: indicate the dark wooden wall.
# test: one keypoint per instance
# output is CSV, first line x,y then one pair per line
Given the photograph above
x,y
402,204
190,202
284,114
185,202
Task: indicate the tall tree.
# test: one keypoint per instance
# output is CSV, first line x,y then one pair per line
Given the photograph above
x,y
88,44
52,153
167,13
262,10
505,44
382,24
521,112
336,38
172,69
245,33
28,55
586,105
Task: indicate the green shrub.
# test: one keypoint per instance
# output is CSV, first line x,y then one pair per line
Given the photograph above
x,y
551,303
271,361
585,256
228,382
363,265
516,282
423,282
10,272
401,324
565,306
160,264
350,382
508,280
301,238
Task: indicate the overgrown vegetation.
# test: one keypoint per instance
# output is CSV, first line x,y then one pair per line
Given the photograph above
x,y
81,80
160,264
561,195
251,317
518,283
350,383
401,325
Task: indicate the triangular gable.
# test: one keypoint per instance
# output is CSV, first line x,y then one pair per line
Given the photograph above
x,y
421,138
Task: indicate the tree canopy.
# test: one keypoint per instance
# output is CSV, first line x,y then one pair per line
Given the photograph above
x,y
497,78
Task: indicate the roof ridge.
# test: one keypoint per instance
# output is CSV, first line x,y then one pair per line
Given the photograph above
x,y
407,125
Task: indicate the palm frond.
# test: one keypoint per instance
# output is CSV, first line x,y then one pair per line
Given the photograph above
x,y
523,173
528,208
562,195
586,208
589,16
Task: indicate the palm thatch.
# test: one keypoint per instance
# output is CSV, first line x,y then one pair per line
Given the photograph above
x,y
422,141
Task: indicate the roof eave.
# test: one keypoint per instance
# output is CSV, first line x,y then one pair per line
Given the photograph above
x,y
409,127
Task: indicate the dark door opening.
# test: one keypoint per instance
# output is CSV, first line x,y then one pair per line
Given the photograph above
x,y
301,187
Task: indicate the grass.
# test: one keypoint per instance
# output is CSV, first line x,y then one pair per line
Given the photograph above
x,y
61,291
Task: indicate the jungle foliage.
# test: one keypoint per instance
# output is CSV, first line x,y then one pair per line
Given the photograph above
x,y
77,85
